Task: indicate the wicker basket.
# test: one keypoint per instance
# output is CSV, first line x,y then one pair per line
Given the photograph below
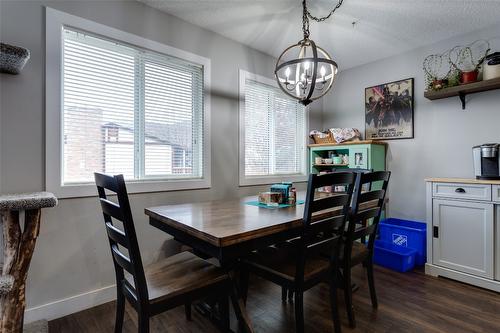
x,y
325,137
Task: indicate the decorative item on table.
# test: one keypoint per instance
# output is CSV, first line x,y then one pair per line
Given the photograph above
x,y
284,189
345,159
321,137
292,199
491,66
437,69
13,58
318,160
271,198
389,111
467,59
345,134
328,161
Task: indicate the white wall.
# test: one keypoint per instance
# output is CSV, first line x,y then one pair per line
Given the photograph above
x,y
72,255
444,133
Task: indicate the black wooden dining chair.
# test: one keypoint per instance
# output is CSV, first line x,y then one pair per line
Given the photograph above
x,y
300,266
288,294
168,283
370,187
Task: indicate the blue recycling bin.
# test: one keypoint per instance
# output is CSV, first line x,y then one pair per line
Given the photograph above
x,y
405,233
397,258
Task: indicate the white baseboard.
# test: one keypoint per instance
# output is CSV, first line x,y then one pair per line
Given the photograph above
x,y
66,306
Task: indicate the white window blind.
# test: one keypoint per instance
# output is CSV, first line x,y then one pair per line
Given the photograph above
x,y
274,141
129,110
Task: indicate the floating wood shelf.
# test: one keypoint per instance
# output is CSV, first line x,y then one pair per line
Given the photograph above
x,y
463,90
330,165
358,142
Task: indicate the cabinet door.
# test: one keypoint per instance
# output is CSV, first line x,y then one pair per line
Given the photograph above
x,y
358,158
497,242
463,236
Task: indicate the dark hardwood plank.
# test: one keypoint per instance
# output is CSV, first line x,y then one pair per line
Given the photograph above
x,y
411,302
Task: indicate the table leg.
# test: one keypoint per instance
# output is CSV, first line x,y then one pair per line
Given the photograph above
x,y
239,306
18,250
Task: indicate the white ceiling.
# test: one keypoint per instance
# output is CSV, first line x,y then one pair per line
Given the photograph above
x,y
384,27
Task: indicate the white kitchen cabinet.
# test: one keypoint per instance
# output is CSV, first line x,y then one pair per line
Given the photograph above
x,y
496,193
497,242
463,230
463,236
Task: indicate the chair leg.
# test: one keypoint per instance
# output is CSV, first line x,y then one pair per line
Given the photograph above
x,y
348,297
371,282
187,310
299,311
334,304
284,294
143,322
244,277
120,311
290,295
224,314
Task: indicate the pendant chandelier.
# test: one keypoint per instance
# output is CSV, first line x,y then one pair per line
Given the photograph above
x,y
304,70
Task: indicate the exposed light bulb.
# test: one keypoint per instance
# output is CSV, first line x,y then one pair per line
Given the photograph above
x,y
306,65
287,73
336,70
322,70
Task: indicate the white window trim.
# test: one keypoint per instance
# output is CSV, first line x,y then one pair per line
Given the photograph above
x,y
263,180
55,21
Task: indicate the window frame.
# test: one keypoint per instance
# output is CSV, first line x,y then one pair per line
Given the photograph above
x,y
55,21
264,180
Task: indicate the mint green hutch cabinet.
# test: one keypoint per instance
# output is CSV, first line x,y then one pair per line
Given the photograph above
x,y
367,154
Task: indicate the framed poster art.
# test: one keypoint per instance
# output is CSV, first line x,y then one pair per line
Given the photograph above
x,y
389,111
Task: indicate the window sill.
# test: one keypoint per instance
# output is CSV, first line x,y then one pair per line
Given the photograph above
x,y
149,186
250,181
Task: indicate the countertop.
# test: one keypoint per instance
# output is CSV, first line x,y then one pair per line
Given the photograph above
x,y
463,181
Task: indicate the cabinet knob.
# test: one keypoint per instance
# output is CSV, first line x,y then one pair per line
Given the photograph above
x,y
459,190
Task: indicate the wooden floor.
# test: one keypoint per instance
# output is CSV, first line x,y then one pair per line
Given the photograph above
x,y
411,302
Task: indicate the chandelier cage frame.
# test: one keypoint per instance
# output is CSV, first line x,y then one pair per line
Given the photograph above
x,y
301,61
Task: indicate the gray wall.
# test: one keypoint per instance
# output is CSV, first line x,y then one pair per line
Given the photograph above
x,y
444,133
72,255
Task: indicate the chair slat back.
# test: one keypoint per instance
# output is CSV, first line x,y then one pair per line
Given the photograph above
x,y
120,240
322,217
367,205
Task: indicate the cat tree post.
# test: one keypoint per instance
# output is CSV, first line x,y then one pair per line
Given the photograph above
x,y
19,243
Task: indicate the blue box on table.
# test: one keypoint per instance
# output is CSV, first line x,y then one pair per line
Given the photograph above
x,y
284,189
405,233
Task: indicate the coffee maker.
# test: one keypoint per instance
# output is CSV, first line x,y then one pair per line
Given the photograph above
x,y
486,161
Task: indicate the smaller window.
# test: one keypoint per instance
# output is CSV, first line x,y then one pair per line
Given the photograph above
x,y
272,133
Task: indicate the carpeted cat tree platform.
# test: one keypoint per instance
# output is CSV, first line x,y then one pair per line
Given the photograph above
x,y
19,238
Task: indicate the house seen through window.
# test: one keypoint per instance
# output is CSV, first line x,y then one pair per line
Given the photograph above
x,y
129,110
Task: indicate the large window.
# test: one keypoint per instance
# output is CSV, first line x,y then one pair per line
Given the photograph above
x,y
272,133
129,109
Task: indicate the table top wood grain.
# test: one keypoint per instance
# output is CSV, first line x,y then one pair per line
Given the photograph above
x,y
228,222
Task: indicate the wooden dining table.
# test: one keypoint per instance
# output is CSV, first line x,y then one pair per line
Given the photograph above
x,y
230,229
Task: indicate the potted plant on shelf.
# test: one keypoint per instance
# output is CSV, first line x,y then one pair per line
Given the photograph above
x,y
467,60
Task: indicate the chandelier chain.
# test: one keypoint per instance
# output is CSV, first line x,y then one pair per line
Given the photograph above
x,y
306,15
